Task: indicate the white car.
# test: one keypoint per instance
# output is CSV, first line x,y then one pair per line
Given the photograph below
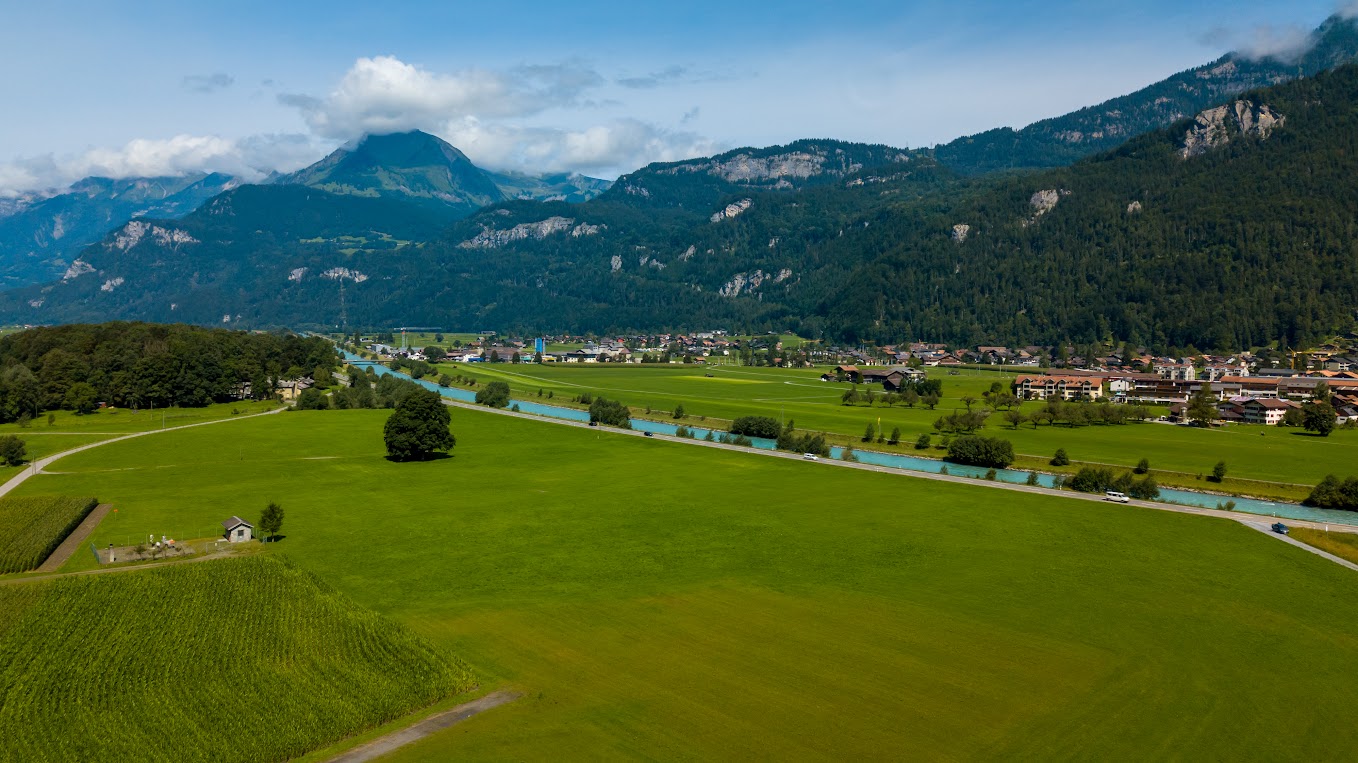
x,y
810,456
1115,496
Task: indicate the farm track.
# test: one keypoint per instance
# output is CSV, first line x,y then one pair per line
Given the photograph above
x,y
75,540
1217,513
32,578
434,723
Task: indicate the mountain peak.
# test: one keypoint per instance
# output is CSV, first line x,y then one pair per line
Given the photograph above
x,y
413,165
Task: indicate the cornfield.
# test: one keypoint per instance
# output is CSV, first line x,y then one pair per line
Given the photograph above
x,y
244,659
32,528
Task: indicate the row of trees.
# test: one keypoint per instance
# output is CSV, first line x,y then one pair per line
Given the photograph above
x,y
1098,479
365,390
1332,493
610,412
910,398
973,450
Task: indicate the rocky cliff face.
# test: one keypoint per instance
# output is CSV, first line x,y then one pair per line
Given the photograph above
x,y
1215,126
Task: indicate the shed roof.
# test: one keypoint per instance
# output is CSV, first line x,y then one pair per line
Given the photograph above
x,y
234,522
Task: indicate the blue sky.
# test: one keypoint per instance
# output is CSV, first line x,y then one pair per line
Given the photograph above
x,y
162,87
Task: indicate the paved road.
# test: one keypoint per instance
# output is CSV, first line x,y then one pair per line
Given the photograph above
x,y
434,723
1266,529
1069,494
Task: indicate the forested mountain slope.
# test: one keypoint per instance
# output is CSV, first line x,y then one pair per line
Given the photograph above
x,y
1231,230
1062,140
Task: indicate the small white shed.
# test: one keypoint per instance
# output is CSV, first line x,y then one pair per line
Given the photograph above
x,y
238,530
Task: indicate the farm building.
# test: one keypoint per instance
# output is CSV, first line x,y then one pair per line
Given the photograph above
x,y
238,530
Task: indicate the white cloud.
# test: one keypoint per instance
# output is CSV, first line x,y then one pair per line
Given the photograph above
x,y
1285,43
384,94
607,150
250,158
496,116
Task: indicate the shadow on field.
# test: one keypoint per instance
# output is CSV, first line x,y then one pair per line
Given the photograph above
x,y
426,459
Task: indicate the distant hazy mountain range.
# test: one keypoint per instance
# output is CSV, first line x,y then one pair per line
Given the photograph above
x,y
39,237
1198,231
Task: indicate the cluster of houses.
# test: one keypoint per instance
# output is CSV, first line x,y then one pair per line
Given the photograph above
x,y
892,379
1263,398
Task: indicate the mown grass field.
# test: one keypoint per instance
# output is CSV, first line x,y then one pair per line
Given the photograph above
x,y
71,431
1270,454
665,600
32,527
228,660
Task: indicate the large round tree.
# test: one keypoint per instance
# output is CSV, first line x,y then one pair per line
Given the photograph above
x,y
418,427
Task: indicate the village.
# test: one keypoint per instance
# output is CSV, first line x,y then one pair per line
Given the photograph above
x,y
1247,387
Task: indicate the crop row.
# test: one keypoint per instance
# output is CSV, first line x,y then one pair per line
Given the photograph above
x,y
234,660
31,528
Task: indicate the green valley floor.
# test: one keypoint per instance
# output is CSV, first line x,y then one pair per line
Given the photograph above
x,y
652,599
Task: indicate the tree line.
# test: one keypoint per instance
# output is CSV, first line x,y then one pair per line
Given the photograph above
x,y
139,365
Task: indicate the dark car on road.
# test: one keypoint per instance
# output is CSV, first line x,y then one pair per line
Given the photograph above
x,y
1280,528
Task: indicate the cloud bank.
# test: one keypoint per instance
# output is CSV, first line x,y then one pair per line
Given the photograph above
x,y
249,158
487,114
500,118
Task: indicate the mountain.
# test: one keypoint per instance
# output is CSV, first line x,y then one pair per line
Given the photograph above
x,y
562,186
1231,228
1065,139
409,165
518,262
40,236
206,267
699,183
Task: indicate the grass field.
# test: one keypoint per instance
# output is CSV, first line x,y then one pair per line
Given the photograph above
x,y
1180,454
32,527
239,660
662,600
125,421
71,431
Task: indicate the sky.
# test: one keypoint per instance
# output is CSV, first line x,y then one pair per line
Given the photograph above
x,y
164,88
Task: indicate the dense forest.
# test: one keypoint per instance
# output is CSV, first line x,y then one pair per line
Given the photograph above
x,y
78,366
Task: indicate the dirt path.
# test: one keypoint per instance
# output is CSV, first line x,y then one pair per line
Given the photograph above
x,y
20,579
75,540
434,723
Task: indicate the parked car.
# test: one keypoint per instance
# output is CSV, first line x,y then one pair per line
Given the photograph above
x,y
810,456
1115,496
1280,528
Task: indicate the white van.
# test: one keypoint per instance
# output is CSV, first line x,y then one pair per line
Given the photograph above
x,y
1115,496
810,456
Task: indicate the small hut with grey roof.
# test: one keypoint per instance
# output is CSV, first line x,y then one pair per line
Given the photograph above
x,y
238,530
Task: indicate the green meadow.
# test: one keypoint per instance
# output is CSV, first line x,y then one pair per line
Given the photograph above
x,y
1268,454
69,430
663,600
